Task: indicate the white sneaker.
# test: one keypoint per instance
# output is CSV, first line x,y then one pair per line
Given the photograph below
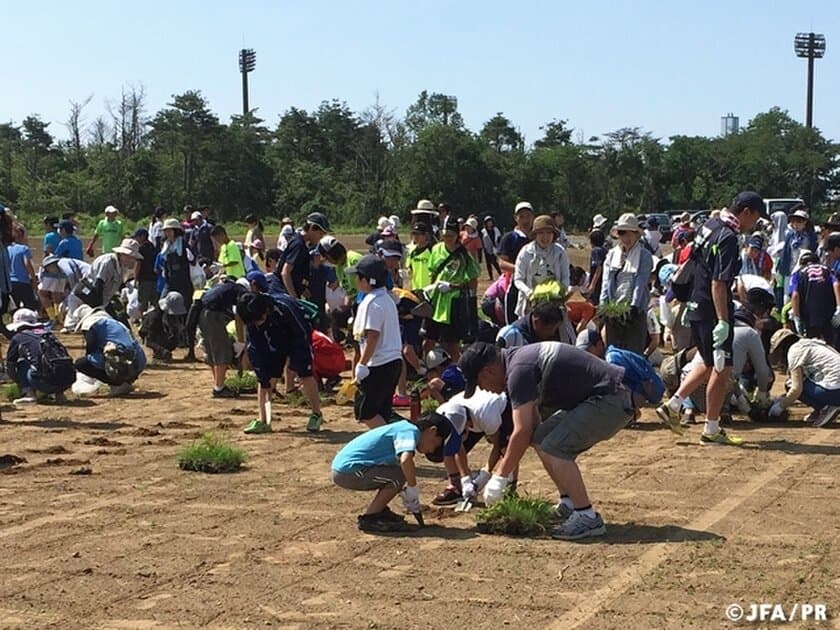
x,y
825,416
25,400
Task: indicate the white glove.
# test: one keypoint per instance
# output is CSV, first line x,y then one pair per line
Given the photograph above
x,y
238,347
443,286
480,479
762,398
361,372
467,487
835,319
776,409
494,490
411,499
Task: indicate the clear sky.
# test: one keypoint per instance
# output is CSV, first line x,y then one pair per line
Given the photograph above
x,y
668,67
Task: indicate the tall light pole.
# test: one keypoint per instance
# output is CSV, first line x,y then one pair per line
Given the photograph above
x,y
810,46
247,63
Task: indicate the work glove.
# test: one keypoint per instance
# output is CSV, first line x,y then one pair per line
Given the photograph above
x,y
835,319
411,499
443,286
467,487
480,480
776,409
719,333
238,347
361,372
494,490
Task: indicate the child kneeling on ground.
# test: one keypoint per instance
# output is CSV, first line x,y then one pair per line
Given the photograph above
x,y
382,459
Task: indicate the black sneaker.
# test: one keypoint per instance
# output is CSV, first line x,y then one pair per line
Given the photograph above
x,y
379,523
450,496
388,515
225,392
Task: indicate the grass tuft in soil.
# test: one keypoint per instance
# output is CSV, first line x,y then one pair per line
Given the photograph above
x,y
516,516
211,454
11,391
245,383
613,310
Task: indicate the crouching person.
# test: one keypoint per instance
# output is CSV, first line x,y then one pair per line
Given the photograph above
x,y
112,355
382,459
814,370
36,360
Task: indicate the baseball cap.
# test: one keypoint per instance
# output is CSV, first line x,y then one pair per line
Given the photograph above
x,y
475,358
420,228
111,210
450,225
800,214
451,443
523,205
319,220
173,304
371,267
195,216
50,260
756,241
587,338
389,249
67,226
456,413
751,200
140,232
259,278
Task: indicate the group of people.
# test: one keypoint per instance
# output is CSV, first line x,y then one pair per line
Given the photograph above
x,y
555,356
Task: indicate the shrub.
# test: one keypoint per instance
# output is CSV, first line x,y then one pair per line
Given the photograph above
x,y
211,454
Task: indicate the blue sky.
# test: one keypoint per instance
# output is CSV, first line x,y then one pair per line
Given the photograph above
x,y
668,67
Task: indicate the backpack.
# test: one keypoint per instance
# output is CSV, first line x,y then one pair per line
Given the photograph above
x,y
639,375
55,366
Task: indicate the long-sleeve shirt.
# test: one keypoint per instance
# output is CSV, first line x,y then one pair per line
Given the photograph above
x,y
110,330
534,265
746,344
284,327
626,276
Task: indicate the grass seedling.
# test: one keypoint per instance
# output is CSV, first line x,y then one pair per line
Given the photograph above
x,y
211,454
245,383
517,516
613,310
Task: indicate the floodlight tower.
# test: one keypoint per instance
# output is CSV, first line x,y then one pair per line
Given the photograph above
x,y
810,46
247,63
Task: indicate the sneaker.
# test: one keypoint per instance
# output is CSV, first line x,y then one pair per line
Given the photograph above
x,y
120,390
257,427
670,418
398,400
578,526
379,523
721,438
811,417
688,418
225,392
826,416
314,424
389,515
60,398
25,400
450,496
562,512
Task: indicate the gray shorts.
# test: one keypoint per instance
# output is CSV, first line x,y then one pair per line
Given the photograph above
x,y
218,347
372,478
567,434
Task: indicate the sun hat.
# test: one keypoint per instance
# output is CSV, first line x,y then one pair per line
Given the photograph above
x,y
383,223
111,210
778,342
129,247
395,221
258,244
544,222
50,260
799,214
599,220
286,221
685,217
173,304
173,224
23,318
287,230
587,338
523,205
628,222
88,316
424,206
473,223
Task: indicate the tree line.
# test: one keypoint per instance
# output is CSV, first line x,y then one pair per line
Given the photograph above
x,y
359,165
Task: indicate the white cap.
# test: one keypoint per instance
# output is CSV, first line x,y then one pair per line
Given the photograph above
x,y
523,205
195,215
111,210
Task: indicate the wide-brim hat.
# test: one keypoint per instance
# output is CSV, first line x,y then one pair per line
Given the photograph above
x,y
599,220
129,247
627,222
174,224
88,316
799,214
24,318
50,260
424,206
543,222
777,342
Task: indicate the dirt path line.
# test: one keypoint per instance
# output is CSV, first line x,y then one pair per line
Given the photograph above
x,y
653,557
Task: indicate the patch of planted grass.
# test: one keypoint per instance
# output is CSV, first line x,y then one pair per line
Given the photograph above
x,y
517,516
211,454
613,310
245,383
11,391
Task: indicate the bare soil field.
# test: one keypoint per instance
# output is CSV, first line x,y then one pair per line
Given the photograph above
x,y
100,529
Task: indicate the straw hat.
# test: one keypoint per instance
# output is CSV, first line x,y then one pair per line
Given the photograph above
x,y
627,222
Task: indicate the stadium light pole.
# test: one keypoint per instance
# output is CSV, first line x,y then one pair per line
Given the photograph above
x,y
247,63
810,46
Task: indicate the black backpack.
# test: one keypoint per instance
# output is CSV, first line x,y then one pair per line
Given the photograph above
x,y
56,365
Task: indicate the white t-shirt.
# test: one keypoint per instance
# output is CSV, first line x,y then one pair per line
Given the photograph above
x,y
485,411
820,362
379,312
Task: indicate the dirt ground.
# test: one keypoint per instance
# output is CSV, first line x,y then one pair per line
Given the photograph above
x,y
100,529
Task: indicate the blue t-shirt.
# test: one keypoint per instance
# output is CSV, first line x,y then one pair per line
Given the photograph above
x,y
18,255
377,447
51,241
70,247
